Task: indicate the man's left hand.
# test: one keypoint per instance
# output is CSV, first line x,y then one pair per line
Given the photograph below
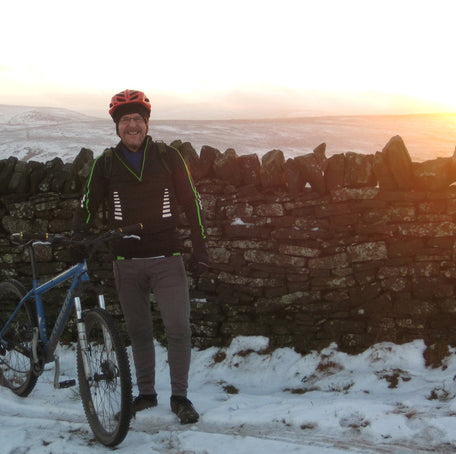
x,y
197,267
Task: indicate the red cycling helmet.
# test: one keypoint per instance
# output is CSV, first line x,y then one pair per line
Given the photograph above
x,y
129,97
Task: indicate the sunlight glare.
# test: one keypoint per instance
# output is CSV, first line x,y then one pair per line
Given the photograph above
x,y
199,48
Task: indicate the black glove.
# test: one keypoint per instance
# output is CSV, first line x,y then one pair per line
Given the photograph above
x,y
197,266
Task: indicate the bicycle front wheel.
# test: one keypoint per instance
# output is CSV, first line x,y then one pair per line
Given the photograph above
x,y
16,359
106,394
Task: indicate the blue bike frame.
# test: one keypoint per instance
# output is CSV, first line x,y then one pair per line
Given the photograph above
x,y
43,352
79,274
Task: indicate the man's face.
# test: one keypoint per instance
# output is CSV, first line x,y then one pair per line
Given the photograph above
x,y
132,130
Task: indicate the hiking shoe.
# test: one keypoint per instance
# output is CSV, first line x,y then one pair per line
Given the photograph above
x,y
184,409
144,401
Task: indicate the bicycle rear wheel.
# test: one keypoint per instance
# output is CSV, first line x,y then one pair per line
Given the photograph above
x,y
106,395
16,361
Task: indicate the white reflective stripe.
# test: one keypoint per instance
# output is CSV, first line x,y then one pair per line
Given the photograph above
x,y
117,207
166,212
149,258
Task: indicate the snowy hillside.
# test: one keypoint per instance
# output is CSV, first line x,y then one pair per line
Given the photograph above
x,y
23,115
46,116
42,134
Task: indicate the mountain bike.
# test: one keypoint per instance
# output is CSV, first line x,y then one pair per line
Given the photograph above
x,y
103,367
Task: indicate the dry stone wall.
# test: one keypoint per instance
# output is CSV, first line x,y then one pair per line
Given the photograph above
x,y
353,249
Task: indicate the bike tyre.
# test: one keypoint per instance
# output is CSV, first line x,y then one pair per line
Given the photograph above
x,y
16,368
107,401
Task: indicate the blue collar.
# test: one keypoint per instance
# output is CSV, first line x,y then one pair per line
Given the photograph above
x,y
134,158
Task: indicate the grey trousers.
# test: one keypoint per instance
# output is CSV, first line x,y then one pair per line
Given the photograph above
x,y
166,278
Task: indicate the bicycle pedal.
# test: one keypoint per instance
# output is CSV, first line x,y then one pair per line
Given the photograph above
x,y
67,384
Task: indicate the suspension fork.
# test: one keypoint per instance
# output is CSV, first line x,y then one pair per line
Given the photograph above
x,y
106,336
82,338
82,335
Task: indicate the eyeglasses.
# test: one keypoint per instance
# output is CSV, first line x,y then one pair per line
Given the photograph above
x,y
125,120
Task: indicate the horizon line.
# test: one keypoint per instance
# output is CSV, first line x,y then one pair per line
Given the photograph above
x,y
248,118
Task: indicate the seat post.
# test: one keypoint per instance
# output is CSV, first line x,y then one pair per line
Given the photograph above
x,y
33,263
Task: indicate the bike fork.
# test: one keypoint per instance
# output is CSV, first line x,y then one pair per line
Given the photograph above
x,y
101,301
82,339
106,336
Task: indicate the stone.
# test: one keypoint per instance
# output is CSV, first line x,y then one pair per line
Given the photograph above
x,y
250,169
176,144
433,175
359,170
226,167
22,210
38,172
55,164
293,178
320,155
64,180
20,179
311,172
7,167
271,258
344,194
382,173
399,163
269,210
82,165
368,251
335,172
272,172
329,262
208,156
299,251
12,224
239,210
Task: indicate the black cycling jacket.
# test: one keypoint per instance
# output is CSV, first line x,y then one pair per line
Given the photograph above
x,y
150,196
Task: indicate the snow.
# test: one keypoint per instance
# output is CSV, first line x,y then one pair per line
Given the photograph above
x,y
43,133
239,221
256,400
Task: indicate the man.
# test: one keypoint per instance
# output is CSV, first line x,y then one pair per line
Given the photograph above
x,y
144,181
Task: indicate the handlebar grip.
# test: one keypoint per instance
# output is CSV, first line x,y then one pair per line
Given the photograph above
x,y
23,236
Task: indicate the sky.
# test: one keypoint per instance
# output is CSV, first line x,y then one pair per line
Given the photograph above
x,y
240,58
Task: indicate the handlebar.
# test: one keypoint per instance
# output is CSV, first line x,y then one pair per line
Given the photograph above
x,y
56,238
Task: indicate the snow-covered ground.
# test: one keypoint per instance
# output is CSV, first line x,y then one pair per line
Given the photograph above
x,y
253,400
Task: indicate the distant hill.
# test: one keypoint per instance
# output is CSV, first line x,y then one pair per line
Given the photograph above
x,y
44,133
24,115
